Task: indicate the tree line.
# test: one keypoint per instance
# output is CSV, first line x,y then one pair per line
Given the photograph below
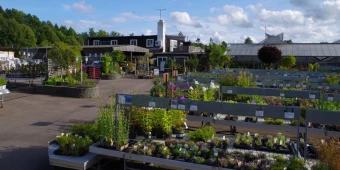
x,y
19,30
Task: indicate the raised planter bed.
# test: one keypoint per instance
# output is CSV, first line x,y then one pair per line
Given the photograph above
x,y
111,77
79,163
149,159
64,91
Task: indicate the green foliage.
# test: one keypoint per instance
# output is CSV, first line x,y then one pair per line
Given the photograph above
x,y
332,79
71,81
158,90
3,81
123,128
313,67
105,121
64,56
288,61
321,166
118,57
192,63
85,129
269,54
203,134
295,164
106,63
217,56
73,145
248,40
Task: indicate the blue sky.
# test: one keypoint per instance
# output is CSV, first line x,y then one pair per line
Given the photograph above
x,y
223,20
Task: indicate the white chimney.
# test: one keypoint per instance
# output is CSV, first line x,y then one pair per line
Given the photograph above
x,y
161,34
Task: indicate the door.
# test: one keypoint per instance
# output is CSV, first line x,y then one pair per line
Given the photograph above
x,y
162,65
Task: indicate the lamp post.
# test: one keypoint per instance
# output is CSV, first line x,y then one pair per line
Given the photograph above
x,y
81,67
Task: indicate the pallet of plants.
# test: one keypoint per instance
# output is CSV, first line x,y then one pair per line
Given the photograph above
x,y
71,150
277,144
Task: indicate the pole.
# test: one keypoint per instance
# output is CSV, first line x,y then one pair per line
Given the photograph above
x,y
81,70
306,140
298,136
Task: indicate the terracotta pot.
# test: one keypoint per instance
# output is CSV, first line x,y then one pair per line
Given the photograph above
x,y
121,148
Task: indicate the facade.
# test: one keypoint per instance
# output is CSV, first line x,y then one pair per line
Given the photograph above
x,y
304,52
7,59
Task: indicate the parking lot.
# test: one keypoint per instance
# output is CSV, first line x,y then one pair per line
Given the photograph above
x,y
28,121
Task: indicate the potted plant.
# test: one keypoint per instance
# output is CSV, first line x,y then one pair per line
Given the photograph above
x,y
123,131
3,83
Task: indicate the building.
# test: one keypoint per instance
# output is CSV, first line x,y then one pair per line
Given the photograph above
x,y
161,45
7,58
323,53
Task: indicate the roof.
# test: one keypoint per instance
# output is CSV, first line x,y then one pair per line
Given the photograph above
x,y
273,39
296,49
110,37
125,48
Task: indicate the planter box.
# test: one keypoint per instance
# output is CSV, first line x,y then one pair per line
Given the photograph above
x,y
79,163
111,77
153,160
63,91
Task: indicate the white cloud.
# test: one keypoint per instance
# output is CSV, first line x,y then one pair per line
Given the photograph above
x,y
185,19
85,24
79,7
148,32
129,16
232,15
286,17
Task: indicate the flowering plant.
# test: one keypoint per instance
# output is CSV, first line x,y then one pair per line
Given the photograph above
x,y
73,145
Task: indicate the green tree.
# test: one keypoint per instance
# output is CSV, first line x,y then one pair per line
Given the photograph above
x,y
217,56
118,56
289,41
198,40
192,63
106,61
288,61
92,33
102,33
180,34
114,34
248,40
64,56
224,44
132,34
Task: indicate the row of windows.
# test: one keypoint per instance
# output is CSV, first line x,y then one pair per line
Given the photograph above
x,y
149,42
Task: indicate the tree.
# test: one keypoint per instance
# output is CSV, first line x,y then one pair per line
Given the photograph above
x,y
102,33
217,56
248,40
269,54
92,33
132,34
118,57
114,34
289,41
323,42
198,40
192,63
288,61
180,34
224,44
64,56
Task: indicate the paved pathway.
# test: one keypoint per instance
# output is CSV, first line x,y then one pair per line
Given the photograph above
x,y
28,122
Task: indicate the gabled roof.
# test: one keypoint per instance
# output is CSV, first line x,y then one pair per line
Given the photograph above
x,y
273,39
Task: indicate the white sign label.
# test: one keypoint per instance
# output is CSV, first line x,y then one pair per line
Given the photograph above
x,y
312,96
193,107
274,84
330,98
304,86
181,106
281,85
288,85
259,113
229,91
285,75
152,104
156,72
319,87
259,83
173,106
121,99
297,86
289,115
282,94
212,81
327,87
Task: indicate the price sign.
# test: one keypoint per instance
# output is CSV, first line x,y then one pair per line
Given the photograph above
x,y
193,108
282,95
259,113
281,85
173,106
259,83
327,87
152,104
288,85
212,81
289,115
181,106
229,91
312,96
330,98
297,86
319,87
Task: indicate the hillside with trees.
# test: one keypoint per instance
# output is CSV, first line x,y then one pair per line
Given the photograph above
x,y
18,30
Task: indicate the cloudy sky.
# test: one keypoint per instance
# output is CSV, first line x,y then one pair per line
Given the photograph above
x,y
223,20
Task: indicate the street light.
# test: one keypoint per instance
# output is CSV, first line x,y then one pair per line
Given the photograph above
x,y
81,66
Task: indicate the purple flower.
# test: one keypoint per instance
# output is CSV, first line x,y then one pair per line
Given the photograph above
x,y
181,98
187,84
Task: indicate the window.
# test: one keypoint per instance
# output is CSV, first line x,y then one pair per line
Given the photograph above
x,y
95,55
133,42
89,54
114,42
149,43
101,54
96,42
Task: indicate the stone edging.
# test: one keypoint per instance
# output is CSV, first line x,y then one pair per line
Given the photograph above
x,y
64,91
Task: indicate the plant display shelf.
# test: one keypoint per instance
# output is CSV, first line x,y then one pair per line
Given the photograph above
x,y
154,160
78,163
2,97
29,79
263,71
238,109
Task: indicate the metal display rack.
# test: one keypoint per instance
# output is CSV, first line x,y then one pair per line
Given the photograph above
x,y
2,97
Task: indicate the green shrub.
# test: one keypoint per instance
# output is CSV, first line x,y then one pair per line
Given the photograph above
x,y
71,81
3,81
332,79
321,166
73,145
279,122
85,129
87,84
203,134
295,164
